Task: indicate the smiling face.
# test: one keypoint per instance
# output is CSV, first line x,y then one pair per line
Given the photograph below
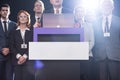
x,y
56,3
23,18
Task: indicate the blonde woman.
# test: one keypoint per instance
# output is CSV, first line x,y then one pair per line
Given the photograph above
x,y
19,46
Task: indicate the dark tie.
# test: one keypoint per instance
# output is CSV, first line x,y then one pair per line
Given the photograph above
x,y
106,26
5,26
38,19
38,22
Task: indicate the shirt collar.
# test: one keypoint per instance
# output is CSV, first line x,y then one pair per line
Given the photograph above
x,y
4,20
18,28
109,17
60,9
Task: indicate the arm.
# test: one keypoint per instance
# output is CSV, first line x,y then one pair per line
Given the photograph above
x,y
91,41
12,43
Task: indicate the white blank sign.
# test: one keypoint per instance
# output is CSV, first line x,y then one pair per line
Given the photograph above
x,y
58,51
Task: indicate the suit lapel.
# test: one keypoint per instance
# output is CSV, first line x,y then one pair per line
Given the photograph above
x,y
1,26
100,29
19,36
26,35
9,24
112,24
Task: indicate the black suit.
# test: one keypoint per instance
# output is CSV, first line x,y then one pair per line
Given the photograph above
x,y
33,21
107,49
5,61
38,71
23,71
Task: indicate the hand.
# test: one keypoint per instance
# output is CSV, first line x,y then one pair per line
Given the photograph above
x,y
37,24
5,51
77,25
21,60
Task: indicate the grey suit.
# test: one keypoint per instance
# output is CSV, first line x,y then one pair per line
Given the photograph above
x,y
110,47
5,61
86,66
89,36
107,49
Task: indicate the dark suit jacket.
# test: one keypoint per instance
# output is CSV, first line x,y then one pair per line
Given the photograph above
x,y
4,38
33,21
107,47
16,41
64,10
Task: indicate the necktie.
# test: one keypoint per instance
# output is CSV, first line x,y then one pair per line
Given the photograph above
x,y
37,23
106,26
57,11
38,19
5,26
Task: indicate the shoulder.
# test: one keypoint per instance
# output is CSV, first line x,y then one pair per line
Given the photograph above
x,y
12,22
66,10
50,10
116,19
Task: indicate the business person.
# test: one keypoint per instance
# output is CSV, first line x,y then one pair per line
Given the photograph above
x,y
57,7
6,26
37,22
19,40
37,18
85,65
107,42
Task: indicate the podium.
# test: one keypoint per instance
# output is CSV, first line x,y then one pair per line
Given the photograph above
x,y
60,50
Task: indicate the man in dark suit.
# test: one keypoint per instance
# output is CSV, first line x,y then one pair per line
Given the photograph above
x,y
6,25
36,20
57,7
107,43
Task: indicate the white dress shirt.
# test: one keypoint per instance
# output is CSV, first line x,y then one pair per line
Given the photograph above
x,y
104,21
23,35
7,21
60,10
104,24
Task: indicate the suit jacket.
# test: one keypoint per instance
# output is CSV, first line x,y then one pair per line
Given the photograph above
x,y
33,21
4,38
89,36
107,47
16,41
64,10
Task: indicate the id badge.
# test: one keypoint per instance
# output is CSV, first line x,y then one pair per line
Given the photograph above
x,y
106,34
23,46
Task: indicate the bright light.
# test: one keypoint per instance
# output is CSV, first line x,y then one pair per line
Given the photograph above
x,y
90,4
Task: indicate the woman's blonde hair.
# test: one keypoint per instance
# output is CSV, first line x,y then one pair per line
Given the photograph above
x,y
28,17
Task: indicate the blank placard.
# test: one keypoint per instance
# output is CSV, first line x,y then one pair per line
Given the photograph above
x,y
58,50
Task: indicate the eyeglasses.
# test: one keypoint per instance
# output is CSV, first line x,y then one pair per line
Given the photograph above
x,y
23,17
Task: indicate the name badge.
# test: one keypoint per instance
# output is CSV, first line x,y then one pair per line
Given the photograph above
x,y
106,34
23,46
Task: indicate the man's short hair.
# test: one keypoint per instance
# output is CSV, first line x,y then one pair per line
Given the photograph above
x,y
4,5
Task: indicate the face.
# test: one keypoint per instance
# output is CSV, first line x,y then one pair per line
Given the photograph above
x,y
107,7
79,12
56,2
38,7
23,18
5,12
